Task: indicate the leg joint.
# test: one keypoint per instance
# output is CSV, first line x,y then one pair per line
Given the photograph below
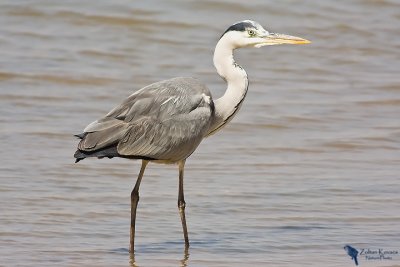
x,y
181,204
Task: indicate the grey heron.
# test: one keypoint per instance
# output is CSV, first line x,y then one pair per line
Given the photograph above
x,y
164,122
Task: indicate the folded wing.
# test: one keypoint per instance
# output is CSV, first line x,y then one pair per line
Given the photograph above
x,y
163,121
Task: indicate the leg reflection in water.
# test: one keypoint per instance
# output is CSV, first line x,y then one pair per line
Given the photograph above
x,y
183,262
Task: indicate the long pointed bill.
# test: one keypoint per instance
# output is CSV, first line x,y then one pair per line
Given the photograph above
x,y
278,38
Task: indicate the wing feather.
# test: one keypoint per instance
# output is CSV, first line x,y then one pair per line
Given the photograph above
x,y
103,138
164,139
166,120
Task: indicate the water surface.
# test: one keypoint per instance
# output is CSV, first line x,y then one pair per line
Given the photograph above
x,y
311,162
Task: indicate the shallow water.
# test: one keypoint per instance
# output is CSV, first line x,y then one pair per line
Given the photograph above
x,y
317,165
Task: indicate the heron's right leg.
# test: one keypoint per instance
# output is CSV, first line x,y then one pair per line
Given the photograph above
x,y
134,203
182,204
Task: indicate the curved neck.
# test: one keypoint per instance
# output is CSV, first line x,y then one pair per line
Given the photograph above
x,y
236,77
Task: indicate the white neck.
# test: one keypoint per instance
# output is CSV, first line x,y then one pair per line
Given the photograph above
x,y
228,105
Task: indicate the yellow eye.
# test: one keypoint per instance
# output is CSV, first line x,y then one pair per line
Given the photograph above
x,y
251,33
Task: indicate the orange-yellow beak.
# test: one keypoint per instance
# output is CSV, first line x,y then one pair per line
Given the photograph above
x,y
278,38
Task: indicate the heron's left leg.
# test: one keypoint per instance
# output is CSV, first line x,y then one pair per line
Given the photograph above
x,y
134,203
181,203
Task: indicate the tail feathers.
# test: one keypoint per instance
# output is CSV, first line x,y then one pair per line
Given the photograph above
x,y
108,152
355,260
80,136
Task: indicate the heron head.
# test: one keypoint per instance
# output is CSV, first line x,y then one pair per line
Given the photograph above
x,y
249,33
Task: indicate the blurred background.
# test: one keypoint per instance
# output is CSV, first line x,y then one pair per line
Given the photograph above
x,y
310,164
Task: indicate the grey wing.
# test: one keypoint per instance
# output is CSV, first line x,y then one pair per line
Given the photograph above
x,y
166,121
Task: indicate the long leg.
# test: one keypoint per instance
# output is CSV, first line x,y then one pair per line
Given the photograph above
x,y
182,204
134,203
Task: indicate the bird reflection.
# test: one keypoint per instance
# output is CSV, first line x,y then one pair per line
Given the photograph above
x,y
185,259
183,262
132,261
